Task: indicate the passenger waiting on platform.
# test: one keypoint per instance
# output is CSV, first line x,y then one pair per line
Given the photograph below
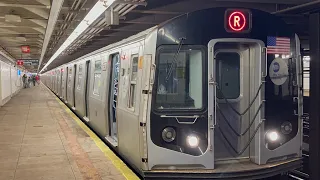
x,y
24,80
29,82
38,79
34,80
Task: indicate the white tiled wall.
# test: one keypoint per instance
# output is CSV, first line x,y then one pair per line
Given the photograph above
x,y
5,81
10,81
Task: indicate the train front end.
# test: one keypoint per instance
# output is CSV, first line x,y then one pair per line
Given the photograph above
x,y
227,99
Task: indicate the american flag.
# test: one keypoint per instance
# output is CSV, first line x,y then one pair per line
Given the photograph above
x,y
278,45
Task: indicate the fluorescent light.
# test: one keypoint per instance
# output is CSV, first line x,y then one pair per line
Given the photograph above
x,y
93,14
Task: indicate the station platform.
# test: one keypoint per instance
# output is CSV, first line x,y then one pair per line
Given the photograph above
x,y
42,139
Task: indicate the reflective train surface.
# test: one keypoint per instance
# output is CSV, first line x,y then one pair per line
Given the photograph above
x,y
215,93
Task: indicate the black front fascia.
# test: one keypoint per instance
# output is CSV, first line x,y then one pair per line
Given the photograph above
x,y
199,28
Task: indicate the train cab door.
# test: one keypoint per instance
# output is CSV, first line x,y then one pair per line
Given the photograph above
x,y
236,72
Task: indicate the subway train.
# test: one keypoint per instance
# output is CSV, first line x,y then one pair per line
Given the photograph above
x,y
214,93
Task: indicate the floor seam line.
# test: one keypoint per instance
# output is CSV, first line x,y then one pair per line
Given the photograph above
x,y
63,144
25,127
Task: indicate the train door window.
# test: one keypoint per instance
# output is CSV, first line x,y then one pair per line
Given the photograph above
x,y
97,78
79,82
228,75
133,80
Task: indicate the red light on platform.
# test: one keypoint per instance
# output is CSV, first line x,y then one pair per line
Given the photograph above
x,y
237,20
25,49
19,62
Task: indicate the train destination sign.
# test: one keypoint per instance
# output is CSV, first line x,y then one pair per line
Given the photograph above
x,y
238,21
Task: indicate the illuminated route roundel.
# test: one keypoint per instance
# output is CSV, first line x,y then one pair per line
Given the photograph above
x,y
237,21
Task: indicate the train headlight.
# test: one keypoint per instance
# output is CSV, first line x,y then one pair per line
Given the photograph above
x,y
273,136
168,134
193,141
286,127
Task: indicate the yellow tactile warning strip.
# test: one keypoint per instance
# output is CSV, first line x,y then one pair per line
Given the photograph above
x,y
116,161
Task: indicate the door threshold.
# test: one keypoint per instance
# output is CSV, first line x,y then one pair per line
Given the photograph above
x,y
86,119
112,141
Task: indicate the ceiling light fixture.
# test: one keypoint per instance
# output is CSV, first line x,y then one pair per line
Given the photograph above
x,y
99,8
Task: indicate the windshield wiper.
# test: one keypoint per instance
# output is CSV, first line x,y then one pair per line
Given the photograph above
x,y
174,59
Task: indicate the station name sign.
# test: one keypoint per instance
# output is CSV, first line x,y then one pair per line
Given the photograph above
x,y
32,62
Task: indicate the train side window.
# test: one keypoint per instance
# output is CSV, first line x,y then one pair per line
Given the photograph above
x,y
79,77
133,80
228,75
70,77
97,78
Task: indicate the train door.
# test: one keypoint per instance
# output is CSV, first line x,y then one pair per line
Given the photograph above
x,y
63,86
74,86
58,82
113,94
87,86
61,82
53,80
235,85
66,85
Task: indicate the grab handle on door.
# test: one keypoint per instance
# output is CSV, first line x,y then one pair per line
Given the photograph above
x,y
265,74
153,71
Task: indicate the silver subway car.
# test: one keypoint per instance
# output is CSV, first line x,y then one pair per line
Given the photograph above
x,y
214,93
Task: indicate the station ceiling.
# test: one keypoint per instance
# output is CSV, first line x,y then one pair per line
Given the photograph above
x,y
25,22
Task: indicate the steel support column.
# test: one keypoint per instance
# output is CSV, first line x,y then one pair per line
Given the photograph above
x,y
314,160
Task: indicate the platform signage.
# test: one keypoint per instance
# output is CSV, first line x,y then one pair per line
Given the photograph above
x,y
238,20
31,62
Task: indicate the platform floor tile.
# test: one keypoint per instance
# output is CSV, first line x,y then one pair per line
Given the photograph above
x,y
39,141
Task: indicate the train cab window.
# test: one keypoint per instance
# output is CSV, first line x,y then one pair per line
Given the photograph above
x,y
133,80
180,79
228,75
97,78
